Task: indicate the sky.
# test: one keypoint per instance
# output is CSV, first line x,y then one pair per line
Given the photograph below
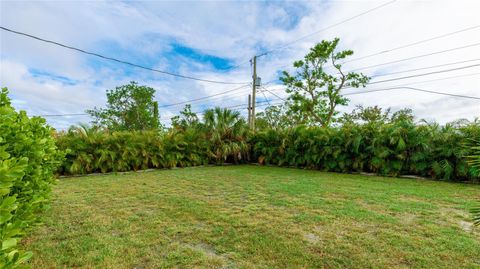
x,y
214,40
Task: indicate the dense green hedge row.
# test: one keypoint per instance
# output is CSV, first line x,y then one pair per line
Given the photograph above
x,y
28,159
386,148
95,151
91,151
392,148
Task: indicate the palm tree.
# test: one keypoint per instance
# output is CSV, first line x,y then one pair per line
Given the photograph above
x,y
226,132
474,161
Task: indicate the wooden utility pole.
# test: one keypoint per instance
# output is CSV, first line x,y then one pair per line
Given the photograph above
x,y
254,91
249,110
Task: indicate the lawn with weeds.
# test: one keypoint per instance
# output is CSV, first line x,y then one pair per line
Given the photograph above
x,y
256,217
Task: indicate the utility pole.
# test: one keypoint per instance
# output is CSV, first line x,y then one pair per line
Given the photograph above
x,y
249,110
254,91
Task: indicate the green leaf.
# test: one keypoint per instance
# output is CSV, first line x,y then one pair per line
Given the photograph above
x,y
9,243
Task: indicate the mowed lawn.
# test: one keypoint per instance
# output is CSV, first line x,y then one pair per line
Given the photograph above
x,y
256,217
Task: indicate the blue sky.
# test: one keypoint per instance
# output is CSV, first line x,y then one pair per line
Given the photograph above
x,y
208,39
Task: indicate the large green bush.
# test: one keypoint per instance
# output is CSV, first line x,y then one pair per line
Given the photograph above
x,y
385,147
474,160
28,159
222,137
91,150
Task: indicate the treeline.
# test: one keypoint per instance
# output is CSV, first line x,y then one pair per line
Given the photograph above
x,y
394,147
221,137
367,140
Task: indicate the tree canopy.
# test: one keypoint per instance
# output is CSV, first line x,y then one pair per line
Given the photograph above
x,y
129,107
316,93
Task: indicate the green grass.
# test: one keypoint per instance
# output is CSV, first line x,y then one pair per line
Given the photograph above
x,y
256,217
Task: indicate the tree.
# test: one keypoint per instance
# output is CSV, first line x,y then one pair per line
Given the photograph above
x,y
363,114
273,117
474,161
129,107
186,119
315,93
226,132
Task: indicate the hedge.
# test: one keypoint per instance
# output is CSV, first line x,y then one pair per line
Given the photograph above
x,y
396,148
28,160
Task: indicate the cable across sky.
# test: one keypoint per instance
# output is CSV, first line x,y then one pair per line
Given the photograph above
x,y
117,60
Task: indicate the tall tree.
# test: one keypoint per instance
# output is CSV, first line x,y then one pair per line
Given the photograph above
x,y
316,93
226,132
361,114
274,117
129,107
186,119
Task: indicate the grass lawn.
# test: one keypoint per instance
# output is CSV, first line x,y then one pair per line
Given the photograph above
x,y
256,217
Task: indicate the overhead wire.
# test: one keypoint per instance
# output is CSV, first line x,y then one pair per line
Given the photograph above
x,y
416,89
409,45
423,68
205,97
263,87
425,74
407,84
417,56
414,43
115,59
326,28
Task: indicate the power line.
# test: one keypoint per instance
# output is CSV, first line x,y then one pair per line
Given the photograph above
x,y
233,67
415,69
117,60
439,79
61,115
205,97
416,89
407,84
326,28
273,93
413,44
185,102
416,57
264,95
405,46
423,68
235,89
229,96
425,74
234,106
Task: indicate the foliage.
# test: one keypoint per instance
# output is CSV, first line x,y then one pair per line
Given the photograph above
x,y
474,161
274,117
226,133
28,158
373,141
186,119
314,92
247,216
476,215
129,107
101,151
221,137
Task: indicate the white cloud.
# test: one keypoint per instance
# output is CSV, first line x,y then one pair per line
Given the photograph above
x,y
234,30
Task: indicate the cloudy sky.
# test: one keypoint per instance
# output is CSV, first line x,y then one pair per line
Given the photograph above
x,y
214,40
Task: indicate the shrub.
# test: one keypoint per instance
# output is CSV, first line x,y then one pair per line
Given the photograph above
x,y
474,161
28,159
92,150
385,147
221,138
